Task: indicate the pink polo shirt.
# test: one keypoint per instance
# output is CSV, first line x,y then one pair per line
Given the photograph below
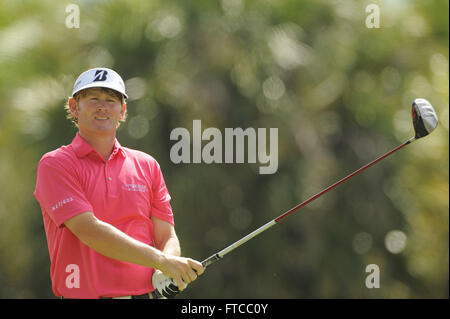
x,y
124,191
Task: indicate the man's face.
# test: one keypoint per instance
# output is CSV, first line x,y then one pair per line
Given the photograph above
x,y
98,111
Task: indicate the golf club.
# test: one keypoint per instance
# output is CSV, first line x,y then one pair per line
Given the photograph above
x,y
425,121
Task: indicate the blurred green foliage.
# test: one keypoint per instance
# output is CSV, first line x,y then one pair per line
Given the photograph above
x,y
338,92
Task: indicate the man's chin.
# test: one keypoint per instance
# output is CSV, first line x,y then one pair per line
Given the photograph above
x,y
101,129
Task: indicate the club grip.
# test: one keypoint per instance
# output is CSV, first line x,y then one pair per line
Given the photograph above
x,y
208,261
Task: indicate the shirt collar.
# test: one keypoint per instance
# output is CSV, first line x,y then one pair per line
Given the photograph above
x,y
118,149
83,148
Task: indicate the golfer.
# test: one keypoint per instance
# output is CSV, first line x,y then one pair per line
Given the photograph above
x,y
106,210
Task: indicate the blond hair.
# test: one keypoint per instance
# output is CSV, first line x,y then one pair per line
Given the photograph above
x,y
83,93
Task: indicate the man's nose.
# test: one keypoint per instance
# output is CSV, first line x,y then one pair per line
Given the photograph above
x,y
101,104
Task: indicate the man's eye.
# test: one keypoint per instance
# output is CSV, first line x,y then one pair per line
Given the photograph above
x,y
94,99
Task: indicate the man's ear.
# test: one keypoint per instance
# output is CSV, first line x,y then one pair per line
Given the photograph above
x,y
73,106
124,109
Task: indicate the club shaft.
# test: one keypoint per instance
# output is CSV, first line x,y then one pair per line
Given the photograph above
x,y
235,245
268,225
306,202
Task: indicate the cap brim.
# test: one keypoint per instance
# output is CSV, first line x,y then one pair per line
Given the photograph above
x,y
99,85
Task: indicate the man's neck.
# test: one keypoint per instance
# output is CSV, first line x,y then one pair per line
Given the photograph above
x,y
103,144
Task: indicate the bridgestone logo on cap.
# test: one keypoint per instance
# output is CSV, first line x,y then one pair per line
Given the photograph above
x,y
100,75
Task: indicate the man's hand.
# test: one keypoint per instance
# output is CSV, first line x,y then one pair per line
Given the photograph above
x,y
182,270
170,285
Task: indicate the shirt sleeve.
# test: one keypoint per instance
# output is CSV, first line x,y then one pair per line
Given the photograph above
x,y
59,192
160,196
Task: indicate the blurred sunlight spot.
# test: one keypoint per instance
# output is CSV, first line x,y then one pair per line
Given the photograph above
x,y
397,6
41,94
36,126
420,86
439,67
347,9
439,64
138,127
164,25
100,57
24,98
364,147
88,31
177,86
362,242
288,52
19,38
415,25
147,109
169,26
440,83
329,90
232,7
136,88
395,241
392,12
273,88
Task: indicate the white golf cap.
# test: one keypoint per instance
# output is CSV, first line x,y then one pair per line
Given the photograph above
x,y
100,77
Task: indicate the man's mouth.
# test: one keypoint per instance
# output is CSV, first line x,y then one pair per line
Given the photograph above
x,y
102,118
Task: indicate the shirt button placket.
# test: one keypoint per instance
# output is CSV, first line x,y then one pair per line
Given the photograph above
x,y
108,178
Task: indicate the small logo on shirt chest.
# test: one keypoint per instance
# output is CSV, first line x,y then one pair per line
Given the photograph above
x,y
135,188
